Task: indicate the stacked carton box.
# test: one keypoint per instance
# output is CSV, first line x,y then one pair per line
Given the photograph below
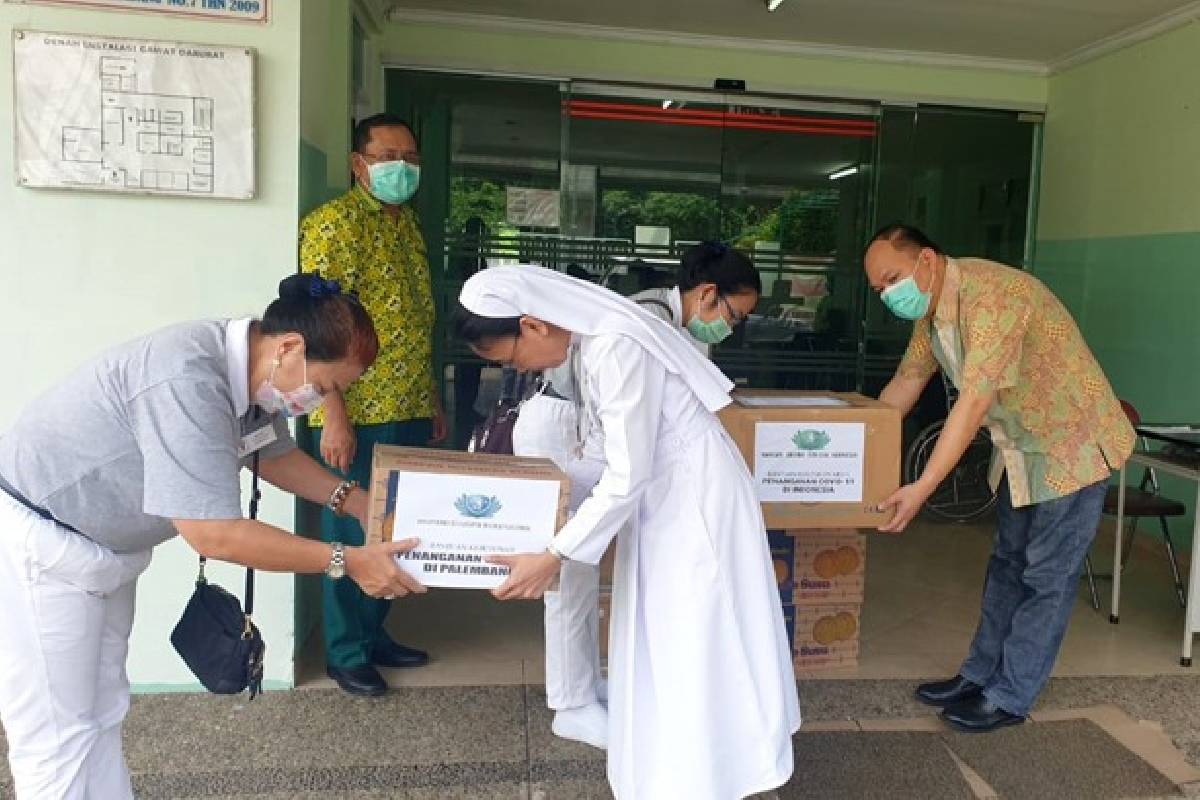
x,y
390,464
822,462
820,579
464,508
607,564
826,636
605,616
818,459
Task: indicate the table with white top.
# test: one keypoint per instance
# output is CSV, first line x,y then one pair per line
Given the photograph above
x,y
1183,462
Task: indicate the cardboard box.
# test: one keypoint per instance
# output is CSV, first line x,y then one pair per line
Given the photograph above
x,y
783,559
819,459
826,636
829,566
789,623
821,566
608,564
464,507
605,618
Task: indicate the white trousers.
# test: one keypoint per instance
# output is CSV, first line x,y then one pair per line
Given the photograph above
x,y
546,429
66,610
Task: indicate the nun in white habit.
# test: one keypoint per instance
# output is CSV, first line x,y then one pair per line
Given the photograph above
x,y
702,697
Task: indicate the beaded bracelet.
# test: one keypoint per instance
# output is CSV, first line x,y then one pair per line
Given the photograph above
x,y
338,497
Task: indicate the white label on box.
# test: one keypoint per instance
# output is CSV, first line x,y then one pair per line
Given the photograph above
x,y
461,520
809,462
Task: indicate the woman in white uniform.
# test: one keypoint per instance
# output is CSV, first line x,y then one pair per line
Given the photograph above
x,y
701,695
143,442
717,289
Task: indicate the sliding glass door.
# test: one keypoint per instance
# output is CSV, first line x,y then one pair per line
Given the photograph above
x,y
785,182
614,182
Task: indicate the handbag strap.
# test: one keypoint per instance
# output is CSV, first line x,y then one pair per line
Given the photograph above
x,y
654,301
255,496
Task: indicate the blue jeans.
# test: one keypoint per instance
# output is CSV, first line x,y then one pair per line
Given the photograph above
x,y
1032,581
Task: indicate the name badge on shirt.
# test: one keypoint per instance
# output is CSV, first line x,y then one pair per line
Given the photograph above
x,y
257,440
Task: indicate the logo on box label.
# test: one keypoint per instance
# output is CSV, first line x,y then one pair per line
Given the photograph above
x,y
478,506
808,439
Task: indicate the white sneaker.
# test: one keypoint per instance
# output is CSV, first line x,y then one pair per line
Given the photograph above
x,y
587,724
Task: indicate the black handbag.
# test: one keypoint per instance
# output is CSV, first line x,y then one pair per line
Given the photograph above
x,y
495,434
216,639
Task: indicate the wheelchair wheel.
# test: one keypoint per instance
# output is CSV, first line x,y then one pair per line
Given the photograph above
x,y
965,494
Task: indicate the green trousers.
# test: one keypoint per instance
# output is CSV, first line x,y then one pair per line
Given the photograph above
x,y
354,620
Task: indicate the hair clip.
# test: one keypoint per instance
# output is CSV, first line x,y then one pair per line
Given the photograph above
x,y
323,288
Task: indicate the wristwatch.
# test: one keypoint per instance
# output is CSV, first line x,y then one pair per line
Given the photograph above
x,y
337,562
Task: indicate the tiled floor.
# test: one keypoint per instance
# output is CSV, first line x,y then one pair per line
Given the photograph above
x,y
922,602
494,743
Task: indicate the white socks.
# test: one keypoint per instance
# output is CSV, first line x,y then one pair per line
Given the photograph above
x,y
587,724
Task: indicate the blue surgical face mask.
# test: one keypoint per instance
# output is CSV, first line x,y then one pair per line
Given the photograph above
x,y
905,299
394,182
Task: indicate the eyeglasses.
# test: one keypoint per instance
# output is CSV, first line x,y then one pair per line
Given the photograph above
x,y
408,156
734,317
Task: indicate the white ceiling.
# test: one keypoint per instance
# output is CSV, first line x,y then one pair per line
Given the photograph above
x,y
1035,33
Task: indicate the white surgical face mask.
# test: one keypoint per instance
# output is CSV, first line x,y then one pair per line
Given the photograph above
x,y
300,401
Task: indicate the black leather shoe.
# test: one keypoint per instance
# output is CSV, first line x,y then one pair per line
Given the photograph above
x,y
364,681
946,693
391,654
979,715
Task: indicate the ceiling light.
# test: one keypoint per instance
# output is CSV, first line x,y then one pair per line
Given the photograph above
x,y
845,172
773,4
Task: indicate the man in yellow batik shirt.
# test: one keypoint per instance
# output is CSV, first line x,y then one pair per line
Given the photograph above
x,y
368,241
1022,368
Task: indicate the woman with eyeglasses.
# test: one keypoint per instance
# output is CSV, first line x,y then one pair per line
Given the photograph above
x,y
717,288
701,695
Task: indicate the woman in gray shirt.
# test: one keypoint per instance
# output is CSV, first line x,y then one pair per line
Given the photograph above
x,y
142,443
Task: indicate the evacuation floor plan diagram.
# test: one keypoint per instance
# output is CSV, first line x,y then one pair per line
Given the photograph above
x,y
123,115
144,141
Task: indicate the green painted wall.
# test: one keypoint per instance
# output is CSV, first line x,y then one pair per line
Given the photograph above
x,y
1122,147
1119,220
323,172
314,177
92,270
1137,300
550,55
325,103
